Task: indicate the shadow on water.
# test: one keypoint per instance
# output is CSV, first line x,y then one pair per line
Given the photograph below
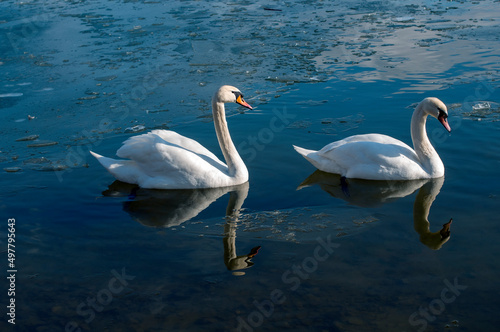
x,y
170,208
370,193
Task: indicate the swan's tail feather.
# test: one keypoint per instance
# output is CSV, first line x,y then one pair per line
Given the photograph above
x,y
123,170
311,156
96,155
302,151
104,161
308,154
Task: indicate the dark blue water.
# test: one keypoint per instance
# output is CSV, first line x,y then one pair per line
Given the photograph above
x,y
95,258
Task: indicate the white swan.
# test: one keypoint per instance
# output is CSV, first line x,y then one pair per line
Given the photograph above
x,y
163,159
381,157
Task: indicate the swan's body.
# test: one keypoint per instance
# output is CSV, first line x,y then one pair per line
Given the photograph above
x,y
381,157
163,159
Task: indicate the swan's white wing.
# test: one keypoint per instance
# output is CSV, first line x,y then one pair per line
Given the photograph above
x,y
371,156
376,161
377,138
156,144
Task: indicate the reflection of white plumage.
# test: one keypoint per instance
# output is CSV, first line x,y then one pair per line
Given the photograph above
x,y
367,193
171,208
421,208
163,159
381,157
364,193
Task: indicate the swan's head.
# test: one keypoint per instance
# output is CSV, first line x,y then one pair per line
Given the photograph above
x,y
436,108
230,94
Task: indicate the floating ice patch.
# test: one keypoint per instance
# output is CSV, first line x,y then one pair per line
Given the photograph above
x,y
11,95
481,106
480,111
12,169
302,224
294,225
135,129
27,138
42,144
44,164
37,161
404,19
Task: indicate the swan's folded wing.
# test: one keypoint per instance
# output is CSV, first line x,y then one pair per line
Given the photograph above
x,y
375,138
141,147
161,151
376,161
185,142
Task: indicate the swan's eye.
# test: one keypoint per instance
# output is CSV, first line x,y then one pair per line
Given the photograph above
x,y
442,114
237,94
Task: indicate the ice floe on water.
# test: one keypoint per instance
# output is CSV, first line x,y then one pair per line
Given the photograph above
x,y
11,95
305,224
479,111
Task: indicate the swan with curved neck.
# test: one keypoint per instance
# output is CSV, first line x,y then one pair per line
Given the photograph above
x,y
381,157
163,159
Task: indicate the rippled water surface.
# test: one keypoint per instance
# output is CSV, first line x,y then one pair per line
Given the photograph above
x,y
302,254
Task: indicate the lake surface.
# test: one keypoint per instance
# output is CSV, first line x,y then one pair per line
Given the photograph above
x,y
94,255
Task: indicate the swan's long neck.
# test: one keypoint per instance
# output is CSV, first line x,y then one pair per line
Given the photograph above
x,y
421,208
426,153
236,166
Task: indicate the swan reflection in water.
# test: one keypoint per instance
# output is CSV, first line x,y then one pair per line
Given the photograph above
x,y
170,208
370,193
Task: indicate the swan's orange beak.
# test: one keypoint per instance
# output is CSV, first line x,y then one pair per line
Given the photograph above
x,y
444,122
253,252
242,102
445,231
